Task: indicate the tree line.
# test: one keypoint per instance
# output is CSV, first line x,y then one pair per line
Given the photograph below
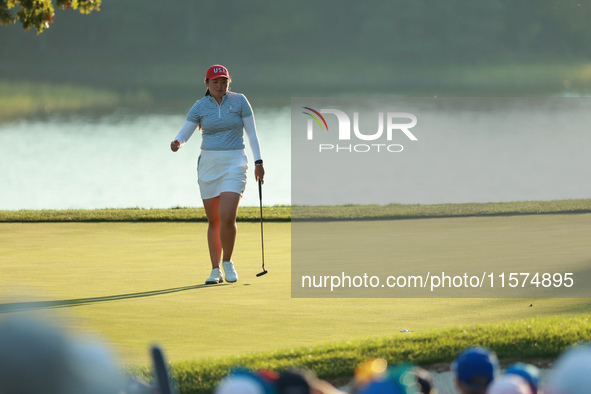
x,y
401,31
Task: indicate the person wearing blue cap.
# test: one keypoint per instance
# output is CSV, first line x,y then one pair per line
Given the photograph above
x,y
474,369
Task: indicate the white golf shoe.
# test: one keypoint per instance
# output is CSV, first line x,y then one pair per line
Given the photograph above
x,y
215,277
230,271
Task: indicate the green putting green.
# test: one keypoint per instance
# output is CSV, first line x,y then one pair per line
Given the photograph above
x,y
139,283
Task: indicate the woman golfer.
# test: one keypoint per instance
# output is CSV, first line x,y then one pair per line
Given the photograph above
x,y
221,168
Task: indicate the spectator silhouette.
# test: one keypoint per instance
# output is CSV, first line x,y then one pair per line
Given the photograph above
x,y
36,358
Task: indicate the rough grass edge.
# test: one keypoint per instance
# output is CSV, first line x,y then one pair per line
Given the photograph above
x,y
282,213
536,338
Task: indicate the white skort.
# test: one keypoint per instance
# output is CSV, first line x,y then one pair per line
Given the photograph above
x,y
221,171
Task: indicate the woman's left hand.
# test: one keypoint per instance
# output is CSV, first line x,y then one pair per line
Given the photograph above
x,y
259,173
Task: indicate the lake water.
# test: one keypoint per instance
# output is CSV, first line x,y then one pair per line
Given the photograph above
x,y
123,159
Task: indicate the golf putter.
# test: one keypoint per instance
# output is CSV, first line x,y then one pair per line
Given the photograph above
x,y
262,243
162,375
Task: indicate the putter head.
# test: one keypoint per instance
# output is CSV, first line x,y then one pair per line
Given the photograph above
x,y
262,273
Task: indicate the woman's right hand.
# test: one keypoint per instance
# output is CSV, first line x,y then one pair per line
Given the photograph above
x,y
175,145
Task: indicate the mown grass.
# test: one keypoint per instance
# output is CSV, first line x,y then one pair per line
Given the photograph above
x,y
286,213
140,283
258,313
245,214
411,211
522,340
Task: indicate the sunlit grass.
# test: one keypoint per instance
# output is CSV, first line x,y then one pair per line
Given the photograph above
x,y
522,340
23,98
284,213
488,79
140,283
18,99
528,76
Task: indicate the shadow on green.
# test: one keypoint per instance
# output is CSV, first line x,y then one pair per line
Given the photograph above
x,y
37,305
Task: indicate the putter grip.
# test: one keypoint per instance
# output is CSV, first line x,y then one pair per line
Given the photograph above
x,y
260,190
161,371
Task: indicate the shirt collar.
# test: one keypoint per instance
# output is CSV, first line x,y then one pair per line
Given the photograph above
x,y
213,100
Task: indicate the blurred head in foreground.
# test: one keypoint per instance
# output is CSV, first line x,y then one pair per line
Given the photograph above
x,y
373,376
529,372
474,369
509,384
425,381
38,358
242,381
571,373
292,381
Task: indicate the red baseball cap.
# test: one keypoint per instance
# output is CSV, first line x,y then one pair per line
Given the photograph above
x,y
217,71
